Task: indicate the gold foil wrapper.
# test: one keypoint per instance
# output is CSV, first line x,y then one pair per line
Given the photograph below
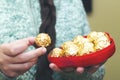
x,y
43,39
81,45
57,52
88,47
100,39
70,48
92,36
84,44
78,40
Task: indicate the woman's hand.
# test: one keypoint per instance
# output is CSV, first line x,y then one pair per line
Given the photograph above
x,y
14,60
78,70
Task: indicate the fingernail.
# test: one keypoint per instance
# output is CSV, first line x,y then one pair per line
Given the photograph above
x,y
44,49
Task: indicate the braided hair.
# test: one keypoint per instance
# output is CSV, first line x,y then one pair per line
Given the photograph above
x,y
48,16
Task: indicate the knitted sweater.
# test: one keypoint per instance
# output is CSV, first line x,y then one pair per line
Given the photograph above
x,y
21,18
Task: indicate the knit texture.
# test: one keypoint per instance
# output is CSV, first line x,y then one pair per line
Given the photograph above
x,y
21,18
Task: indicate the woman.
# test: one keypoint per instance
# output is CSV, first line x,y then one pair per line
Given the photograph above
x,y
61,19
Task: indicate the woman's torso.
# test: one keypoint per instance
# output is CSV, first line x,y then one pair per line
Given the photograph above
x,y
21,18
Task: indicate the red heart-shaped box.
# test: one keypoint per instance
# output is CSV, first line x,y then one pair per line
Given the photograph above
x,y
85,60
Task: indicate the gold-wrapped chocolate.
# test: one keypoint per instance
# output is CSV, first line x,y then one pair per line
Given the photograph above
x,y
43,39
92,36
79,40
85,46
81,45
70,48
88,47
57,52
100,39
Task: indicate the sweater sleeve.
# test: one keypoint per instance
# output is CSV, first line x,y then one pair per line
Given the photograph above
x,y
4,77
29,75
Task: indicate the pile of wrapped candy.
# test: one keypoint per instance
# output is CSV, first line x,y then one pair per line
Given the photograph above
x,y
82,45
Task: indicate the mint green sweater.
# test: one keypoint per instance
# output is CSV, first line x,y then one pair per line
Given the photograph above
x,y
21,18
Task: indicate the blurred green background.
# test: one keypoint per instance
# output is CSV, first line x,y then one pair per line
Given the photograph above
x,y
105,16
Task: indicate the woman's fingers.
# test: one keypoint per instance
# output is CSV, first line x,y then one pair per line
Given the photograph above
x,y
54,67
28,56
15,60
80,70
19,46
93,69
13,70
